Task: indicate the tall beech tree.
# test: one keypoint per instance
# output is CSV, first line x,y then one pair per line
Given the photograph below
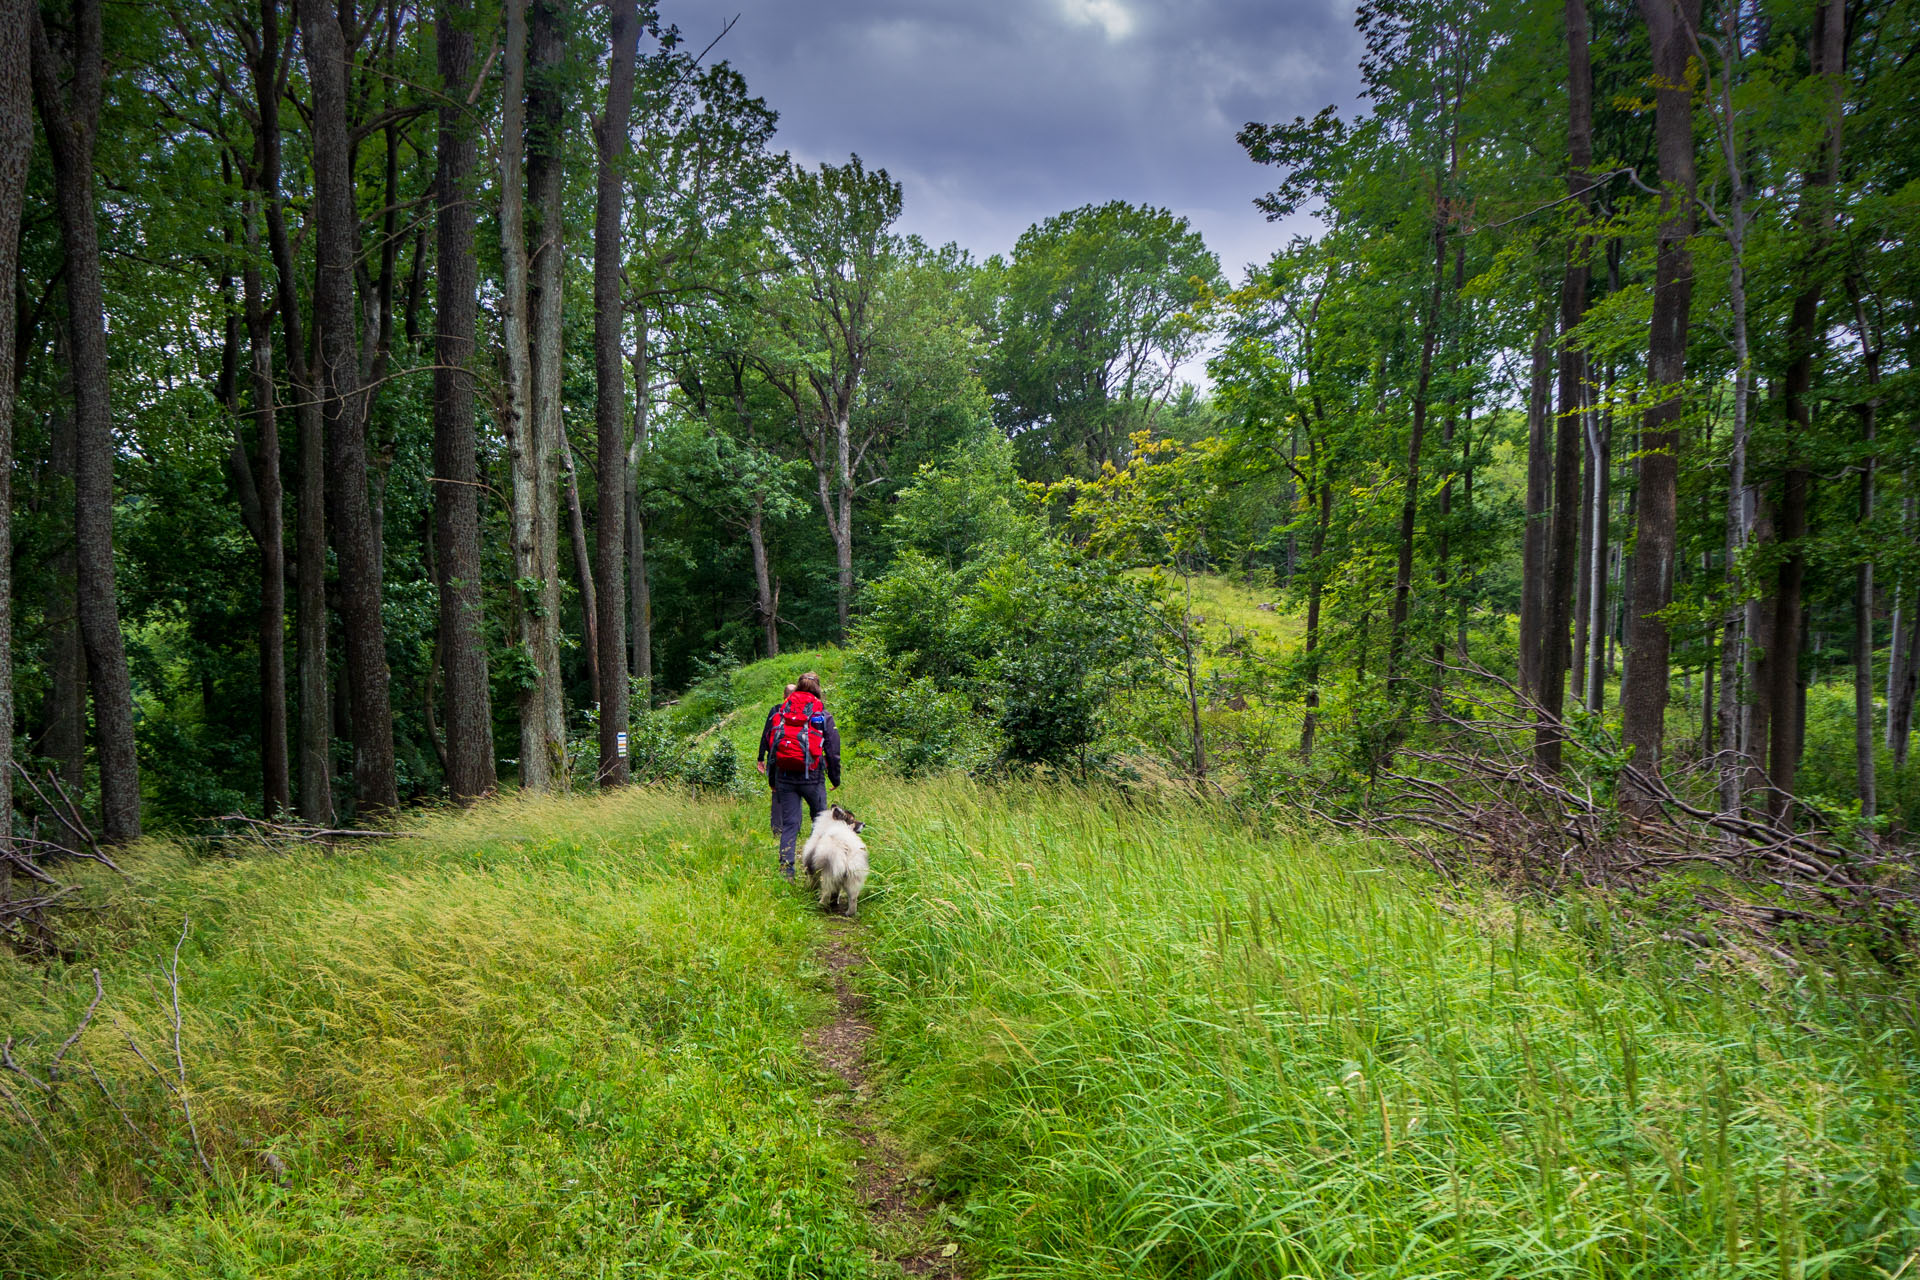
x,y
16,149
350,513
1644,694
456,495
609,367
71,119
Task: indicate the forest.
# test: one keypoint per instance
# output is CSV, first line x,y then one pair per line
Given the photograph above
x,y
407,402
1390,759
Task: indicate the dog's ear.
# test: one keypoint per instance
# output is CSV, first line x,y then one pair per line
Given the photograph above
x,y
858,827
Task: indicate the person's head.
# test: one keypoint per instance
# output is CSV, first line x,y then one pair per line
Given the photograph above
x,y
810,683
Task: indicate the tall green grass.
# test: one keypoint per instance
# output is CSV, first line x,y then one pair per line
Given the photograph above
x,y
555,1038
1140,1040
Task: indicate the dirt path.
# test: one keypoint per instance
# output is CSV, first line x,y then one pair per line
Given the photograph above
x,y
894,1197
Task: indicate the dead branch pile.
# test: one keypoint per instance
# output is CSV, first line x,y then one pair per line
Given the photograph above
x,y
30,891
1471,793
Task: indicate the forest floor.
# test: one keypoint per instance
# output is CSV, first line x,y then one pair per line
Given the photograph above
x,y
1072,1034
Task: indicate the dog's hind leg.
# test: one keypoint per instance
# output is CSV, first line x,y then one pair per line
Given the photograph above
x,y
853,899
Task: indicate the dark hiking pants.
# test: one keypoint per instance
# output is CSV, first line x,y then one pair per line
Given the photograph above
x,y
788,793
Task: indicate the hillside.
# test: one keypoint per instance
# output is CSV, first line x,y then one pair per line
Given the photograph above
x,y
570,1036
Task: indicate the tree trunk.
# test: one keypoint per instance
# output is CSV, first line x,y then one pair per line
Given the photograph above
x,y
582,564
1868,411
63,712
545,180
276,784
762,581
1599,530
1903,655
16,149
639,585
1644,692
1804,342
1900,711
1537,539
1570,425
314,732
456,490
1416,436
336,243
72,121
1316,590
610,527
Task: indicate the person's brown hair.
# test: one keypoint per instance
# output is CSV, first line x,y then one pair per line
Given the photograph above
x,y
810,683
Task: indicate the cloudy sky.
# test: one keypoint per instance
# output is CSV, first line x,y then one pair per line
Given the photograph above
x,y
994,114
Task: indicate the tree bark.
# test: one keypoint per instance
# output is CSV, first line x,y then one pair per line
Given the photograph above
x,y
1538,537
276,783
63,712
582,563
1644,692
1416,437
336,243
639,585
1804,342
16,149
313,735
546,49
456,490
611,138
1868,412
1570,424
1600,470
72,122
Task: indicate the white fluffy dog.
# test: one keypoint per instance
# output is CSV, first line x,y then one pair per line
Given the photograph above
x,y
836,859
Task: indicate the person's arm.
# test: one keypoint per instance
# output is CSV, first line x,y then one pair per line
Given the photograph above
x,y
832,737
766,731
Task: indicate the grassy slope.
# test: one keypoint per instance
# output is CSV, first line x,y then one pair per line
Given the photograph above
x,y
555,1038
562,1037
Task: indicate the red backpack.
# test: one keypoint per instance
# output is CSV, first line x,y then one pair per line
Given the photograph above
x,y
798,733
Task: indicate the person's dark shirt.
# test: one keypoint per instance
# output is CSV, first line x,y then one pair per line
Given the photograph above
x,y
829,749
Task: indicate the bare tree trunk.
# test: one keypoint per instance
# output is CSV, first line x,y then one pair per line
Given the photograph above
x,y
456,492
16,149
63,715
313,736
1316,590
1416,436
545,180
582,564
1644,692
1902,664
610,529
762,583
71,121
1868,411
336,243
1600,471
276,787
639,585
1804,342
1537,539
1570,426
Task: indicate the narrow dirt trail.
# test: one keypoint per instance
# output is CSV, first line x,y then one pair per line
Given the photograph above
x,y
893,1196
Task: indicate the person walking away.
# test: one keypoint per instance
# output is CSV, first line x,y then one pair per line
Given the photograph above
x,y
800,754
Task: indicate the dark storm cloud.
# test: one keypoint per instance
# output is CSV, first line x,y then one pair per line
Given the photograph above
x,y
994,114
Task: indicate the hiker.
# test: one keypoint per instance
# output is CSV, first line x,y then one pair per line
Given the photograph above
x,y
800,754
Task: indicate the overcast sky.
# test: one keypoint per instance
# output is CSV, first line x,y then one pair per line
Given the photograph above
x,y
995,114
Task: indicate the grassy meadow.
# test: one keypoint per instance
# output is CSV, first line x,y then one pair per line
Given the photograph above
x,y
564,1038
